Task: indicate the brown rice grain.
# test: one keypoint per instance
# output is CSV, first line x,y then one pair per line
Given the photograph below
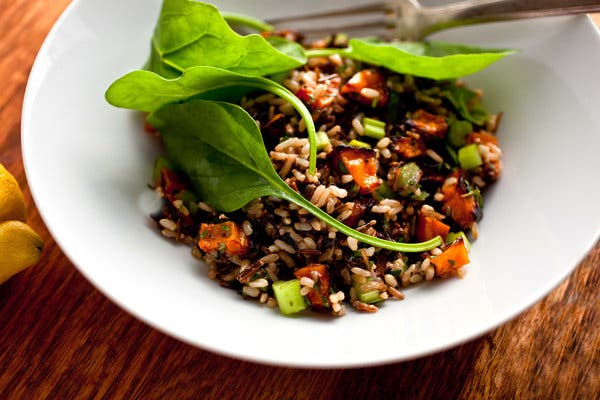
x,y
305,281
269,258
259,283
272,302
416,278
168,224
390,280
429,273
396,293
352,244
370,93
250,291
247,228
168,233
305,290
285,246
288,261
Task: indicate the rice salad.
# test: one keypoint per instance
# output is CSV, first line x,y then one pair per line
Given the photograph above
x,y
399,157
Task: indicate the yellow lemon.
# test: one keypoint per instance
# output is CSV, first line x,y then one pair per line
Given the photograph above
x,y
12,202
20,247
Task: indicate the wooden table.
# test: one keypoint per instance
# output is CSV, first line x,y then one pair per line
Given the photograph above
x,y
61,338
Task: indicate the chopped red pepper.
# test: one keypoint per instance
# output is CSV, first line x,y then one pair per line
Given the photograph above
x,y
227,237
318,297
368,87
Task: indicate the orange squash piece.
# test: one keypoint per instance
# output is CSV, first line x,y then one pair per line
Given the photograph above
x,y
226,236
429,124
361,164
429,227
319,296
461,207
367,79
409,147
452,258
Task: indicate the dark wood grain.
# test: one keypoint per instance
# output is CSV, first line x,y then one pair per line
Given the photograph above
x,y
60,338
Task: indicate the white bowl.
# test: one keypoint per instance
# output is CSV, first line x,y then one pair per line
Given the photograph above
x,y
88,166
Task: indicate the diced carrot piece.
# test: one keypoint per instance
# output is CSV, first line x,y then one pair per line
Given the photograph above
x,y
319,296
429,227
226,236
452,258
409,147
459,205
427,123
482,137
361,164
368,87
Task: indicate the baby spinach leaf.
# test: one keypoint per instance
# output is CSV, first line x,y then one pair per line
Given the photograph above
x,y
220,148
147,91
191,33
466,103
434,60
235,19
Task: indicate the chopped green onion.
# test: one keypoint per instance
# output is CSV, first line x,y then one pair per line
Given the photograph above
x,y
469,157
358,143
322,140
374,122
373,128
407,179
288,296
369,297
452,236
457,134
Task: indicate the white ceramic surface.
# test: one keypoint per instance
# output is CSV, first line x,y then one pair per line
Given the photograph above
x,y
88,165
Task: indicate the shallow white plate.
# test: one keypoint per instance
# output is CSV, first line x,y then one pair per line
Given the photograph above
x,y
88,165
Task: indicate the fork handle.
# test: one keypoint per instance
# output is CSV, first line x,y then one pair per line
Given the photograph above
x,y
476,11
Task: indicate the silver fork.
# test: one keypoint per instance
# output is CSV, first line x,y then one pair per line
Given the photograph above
x,y
409,20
